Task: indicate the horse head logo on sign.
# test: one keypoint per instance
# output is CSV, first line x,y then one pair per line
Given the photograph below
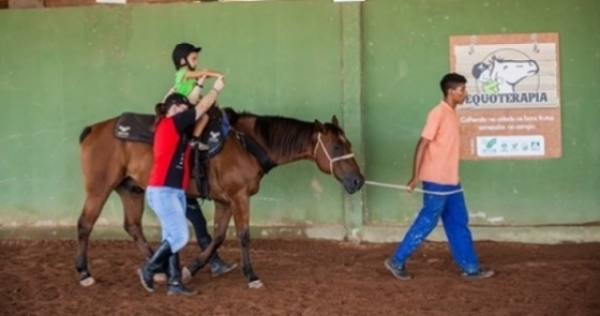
x,y
501,76
506,75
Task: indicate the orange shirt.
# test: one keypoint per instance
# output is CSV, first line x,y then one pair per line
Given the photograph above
x,y
441,157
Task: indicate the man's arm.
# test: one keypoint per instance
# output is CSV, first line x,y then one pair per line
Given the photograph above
x,y
429,132
417,161
185,119
209,99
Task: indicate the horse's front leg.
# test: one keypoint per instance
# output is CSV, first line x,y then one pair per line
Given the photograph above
x,y
241,217
222,217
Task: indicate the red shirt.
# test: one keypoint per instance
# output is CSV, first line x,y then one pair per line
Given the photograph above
x,y
171,151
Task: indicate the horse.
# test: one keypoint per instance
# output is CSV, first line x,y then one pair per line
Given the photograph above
x,y
255,145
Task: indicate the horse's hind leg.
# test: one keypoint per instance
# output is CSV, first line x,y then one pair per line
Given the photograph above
x,y
94,201
222,218
133,207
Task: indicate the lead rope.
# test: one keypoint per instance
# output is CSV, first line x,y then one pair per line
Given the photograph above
x,y
404,187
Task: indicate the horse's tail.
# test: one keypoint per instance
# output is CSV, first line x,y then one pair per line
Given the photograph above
x,y
84,133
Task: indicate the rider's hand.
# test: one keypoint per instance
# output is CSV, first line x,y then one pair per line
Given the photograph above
x,y
200,80
219,84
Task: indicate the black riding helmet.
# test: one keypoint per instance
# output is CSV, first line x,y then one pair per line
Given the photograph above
x,y
182,50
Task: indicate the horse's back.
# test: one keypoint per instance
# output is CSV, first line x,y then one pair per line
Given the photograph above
x,y
96,130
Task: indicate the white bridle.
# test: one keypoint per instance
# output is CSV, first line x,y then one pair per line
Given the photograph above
x,y
331,160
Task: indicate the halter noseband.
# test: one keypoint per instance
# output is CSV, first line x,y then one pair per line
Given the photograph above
x,y
331,160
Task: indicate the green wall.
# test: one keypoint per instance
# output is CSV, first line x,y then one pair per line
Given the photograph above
x,y
61,69
406,54
374,64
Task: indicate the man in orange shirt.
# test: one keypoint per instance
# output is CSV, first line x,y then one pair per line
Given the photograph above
x,y
436,163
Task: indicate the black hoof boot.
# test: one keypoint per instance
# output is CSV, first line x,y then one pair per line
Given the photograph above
x,y
146,272
175,287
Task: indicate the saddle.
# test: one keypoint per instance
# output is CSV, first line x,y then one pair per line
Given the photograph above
x,y
214,135
137,127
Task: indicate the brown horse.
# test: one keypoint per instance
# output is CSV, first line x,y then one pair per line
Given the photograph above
x,y
112,164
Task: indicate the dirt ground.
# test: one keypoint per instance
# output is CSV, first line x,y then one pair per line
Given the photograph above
x,y
306,278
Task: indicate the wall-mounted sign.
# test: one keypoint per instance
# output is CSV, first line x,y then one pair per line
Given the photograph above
x,y
513,107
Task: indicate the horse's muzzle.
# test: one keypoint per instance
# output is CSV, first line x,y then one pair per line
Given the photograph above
x,y
353,182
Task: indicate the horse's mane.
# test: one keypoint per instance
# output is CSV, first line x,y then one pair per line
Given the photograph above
x,y
282,135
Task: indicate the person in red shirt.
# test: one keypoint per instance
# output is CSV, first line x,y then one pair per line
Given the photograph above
x,y
169,178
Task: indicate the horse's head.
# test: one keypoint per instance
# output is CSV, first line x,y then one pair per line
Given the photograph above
x,y
513,71
333,155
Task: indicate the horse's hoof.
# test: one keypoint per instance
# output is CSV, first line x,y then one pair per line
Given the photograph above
x,y
87,281
256,284
160,277
186,275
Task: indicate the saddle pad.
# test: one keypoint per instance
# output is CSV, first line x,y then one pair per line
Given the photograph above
x,y
135,127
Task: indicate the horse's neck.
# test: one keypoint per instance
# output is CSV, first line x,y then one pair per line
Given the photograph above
x,y
277,155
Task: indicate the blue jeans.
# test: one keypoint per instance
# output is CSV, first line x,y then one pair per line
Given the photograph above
x,y
453,211
169,205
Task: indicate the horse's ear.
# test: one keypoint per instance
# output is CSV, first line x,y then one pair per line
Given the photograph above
x,y
334,121
319,125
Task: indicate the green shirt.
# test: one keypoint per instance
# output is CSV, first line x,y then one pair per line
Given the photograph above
x,y
182,85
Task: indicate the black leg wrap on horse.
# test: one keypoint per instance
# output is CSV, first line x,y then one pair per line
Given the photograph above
x,y
155,263
84,275
175,287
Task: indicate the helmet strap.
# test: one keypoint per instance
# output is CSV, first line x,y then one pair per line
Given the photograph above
x,y
187,63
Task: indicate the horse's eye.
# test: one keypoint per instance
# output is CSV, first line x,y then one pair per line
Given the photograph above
x,y
337,149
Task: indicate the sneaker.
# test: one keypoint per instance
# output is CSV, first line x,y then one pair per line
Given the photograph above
x,y
218,267
180,289
479,274
398,273
200,146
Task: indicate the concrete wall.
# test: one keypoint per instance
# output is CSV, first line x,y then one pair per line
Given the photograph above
x,y
375,65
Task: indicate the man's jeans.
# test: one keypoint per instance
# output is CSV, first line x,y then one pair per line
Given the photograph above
x,y
453,211
169,205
